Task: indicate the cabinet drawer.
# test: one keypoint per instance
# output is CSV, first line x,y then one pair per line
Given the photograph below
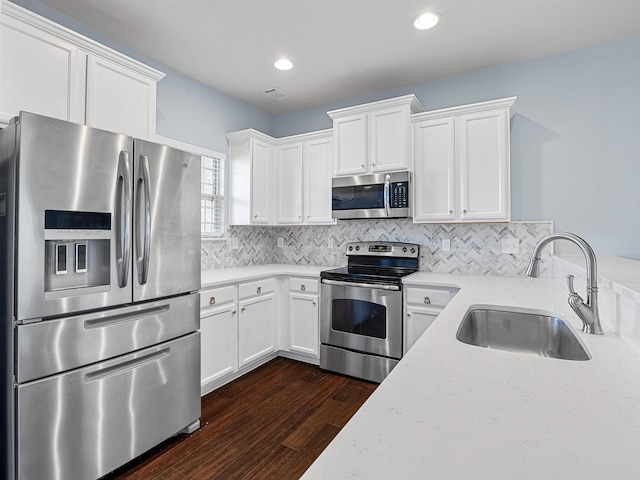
x,y
430,296
307,285
217,296
259,287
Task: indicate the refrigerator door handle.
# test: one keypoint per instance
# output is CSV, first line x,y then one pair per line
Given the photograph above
x,y
123,220
143,233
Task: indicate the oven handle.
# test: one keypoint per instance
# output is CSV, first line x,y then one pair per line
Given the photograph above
x,y
362,285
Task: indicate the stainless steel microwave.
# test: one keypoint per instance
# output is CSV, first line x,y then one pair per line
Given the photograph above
x,y
381,195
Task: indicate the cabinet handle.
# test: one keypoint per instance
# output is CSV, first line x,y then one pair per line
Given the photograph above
x,y
255,216
302,287
313,302
259,290
464,211
427,300
233,312
362,165
373,164
242,309
450,211
212,301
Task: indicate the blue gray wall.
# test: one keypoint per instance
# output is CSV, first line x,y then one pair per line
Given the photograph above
x,y
574,144
575,140
187,110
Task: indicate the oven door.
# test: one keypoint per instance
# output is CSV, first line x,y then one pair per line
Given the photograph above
x,y
365,317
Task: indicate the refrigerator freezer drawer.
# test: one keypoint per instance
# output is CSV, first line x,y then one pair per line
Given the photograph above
x,y
57,345
84,423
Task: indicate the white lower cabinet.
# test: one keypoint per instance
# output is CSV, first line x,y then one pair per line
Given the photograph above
x,y
423,305
256,329
303,316
218,333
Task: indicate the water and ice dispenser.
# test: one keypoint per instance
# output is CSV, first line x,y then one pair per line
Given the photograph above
x,y
77,249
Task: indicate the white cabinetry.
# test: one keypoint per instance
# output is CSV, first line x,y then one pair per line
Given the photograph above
x,y
374,137
257,332
280,181
317,158
423,305
251,179
303,316
218,333
51,70
289,184
120,99
461,163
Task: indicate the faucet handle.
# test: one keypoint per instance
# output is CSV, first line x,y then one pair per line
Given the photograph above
x,y
572,291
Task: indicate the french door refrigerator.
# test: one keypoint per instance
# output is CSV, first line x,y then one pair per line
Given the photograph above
x,y
100,271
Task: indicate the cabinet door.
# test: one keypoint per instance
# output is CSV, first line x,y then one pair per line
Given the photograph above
x,y
350,149
318,168
389,139
416,323
261,182
289,184
41,73
483,157
256,328
219,349
434,180
303,311
119,99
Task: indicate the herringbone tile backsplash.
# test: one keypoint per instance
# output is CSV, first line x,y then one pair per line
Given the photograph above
x,y
476,249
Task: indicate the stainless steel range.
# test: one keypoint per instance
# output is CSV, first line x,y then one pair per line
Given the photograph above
x,y
361,309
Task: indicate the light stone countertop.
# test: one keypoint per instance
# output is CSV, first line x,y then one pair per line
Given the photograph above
x,y
456,411
213,278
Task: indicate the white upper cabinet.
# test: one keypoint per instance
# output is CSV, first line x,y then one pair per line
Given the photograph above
x,y
283,181
289,184
53,71
461,163
318,169
375,137
120,99
251,178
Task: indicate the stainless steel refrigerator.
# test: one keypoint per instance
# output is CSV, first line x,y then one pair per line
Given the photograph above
x,y
100,269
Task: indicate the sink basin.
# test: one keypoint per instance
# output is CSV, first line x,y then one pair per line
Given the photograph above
x,y
524,332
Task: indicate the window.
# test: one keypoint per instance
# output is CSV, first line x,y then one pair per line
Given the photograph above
x,y
212,196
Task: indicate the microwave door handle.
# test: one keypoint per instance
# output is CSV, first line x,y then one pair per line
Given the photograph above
x,y
143,234
123,219
387,191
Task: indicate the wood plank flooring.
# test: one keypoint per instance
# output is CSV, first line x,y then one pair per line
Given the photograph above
x,y
269,424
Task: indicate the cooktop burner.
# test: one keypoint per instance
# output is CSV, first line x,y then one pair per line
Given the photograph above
x,y
377,262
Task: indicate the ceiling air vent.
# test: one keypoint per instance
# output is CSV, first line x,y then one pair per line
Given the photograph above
x,y
276,94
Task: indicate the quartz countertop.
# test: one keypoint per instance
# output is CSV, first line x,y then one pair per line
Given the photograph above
x,y
451,410
212,278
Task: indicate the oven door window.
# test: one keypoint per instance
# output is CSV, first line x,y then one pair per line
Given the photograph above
x,y
359,317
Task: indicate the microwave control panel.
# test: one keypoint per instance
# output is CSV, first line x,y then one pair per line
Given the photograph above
x,y
399,195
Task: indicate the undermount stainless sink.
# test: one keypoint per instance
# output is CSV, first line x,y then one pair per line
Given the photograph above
x,y
524,332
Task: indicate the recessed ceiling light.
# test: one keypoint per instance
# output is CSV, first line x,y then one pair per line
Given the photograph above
x,y
283,64
426,21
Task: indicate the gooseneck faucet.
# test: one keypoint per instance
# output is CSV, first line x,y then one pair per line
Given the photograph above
x,y
588,312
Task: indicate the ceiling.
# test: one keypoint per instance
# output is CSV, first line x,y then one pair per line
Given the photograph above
x,y
346,48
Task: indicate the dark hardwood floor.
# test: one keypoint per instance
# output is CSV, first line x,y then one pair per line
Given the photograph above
x,y
269,424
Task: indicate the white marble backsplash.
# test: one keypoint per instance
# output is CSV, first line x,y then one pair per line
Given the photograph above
x,y
476,249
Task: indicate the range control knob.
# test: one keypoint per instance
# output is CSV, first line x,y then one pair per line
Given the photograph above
x,y
404,249
350,248
357,248
413,250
